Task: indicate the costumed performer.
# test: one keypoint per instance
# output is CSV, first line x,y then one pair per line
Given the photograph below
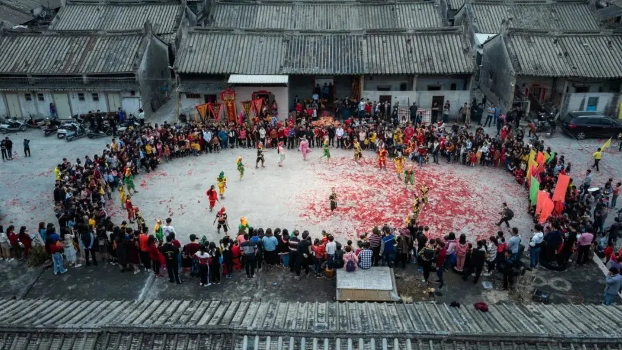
x,y
130,209
260,156
358,152
212,196
409,176
333,200
240,166
243,227
221,216
326,150
382,157
158,232
222,184
399,164
304,147
281,153
122,195
128,178
424,193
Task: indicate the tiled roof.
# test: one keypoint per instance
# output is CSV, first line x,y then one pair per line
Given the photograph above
x,y
244,325
587,55
555,16
69,53
12,15
428,52
163,17
326,16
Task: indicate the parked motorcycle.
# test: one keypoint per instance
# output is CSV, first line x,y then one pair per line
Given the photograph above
x,y
34,122
80,132
12,126
103,132
67,128
546,123
131,121
51,126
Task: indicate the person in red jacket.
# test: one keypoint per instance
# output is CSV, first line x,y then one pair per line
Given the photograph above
x,y
212,196
24,237
154,255
14,242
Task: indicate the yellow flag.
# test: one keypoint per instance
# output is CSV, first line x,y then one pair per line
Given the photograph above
x,y
607,144
532,161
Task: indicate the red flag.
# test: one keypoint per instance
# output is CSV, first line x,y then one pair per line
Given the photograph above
x,y
541,196
559,207
257,104
540,159
561,187
547,208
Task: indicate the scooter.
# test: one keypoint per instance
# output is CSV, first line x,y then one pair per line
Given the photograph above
x,y
51,126
12,126
67,128
131,121
34,123
95,134
80,132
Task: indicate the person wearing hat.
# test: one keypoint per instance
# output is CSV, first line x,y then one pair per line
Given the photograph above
x,y
221,216
212,196
222,184
613,282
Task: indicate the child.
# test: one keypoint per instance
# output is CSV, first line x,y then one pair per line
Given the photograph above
x,y
608,252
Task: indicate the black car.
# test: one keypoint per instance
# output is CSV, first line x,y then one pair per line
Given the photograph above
x,y
582,125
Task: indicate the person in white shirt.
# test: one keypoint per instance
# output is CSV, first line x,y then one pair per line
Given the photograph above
x,y
141,116
339,133
331,248
5,247
168,229
534,246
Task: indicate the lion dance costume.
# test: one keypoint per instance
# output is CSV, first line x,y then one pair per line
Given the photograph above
x,y
399,164
358,152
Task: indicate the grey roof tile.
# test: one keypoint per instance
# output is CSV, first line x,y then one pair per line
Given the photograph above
x,y
164,17
586,55
325,16
536,16
429,52
69,54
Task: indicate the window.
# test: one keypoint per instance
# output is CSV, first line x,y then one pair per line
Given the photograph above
x,y
434,87
193,96
80,96
40,97
383,88
210,98
95,96
28,97
592,104
403,86
453,86
582,89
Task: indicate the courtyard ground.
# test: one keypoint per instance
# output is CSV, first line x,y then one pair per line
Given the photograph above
x,y
295,196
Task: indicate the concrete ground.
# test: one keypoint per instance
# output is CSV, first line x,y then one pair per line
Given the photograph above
x,y
462,199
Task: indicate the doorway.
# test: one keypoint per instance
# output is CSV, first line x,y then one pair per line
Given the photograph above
x,y
14,110
114,102
385,98
63,109
437,108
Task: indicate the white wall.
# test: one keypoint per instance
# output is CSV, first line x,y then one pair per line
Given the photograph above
x,y
131,104
574,102
372,82
34,106
82,107
3,109
403,96
440,80
187,104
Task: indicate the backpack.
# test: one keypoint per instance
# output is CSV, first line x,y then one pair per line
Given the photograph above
x,y
510,214
350,266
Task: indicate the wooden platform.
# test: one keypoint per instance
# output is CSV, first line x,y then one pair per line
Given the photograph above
x,y
374,284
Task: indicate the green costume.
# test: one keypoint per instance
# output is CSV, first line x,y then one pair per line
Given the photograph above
x,y
240,167
326,150
409,177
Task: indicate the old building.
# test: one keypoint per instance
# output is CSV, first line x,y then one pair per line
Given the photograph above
x,y
395,52
165,17
81,71
571,71
484,19
32,13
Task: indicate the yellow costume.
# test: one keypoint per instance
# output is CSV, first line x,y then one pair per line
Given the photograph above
x,y
358,152
411,147
122,196
398,137
222,184
399,164
424,193
57,173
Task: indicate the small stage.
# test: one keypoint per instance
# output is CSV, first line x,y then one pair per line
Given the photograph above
x,y
374,284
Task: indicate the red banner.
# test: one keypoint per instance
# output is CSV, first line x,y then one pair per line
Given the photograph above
x,y
214,109
228,97
547,209
257,104
561,187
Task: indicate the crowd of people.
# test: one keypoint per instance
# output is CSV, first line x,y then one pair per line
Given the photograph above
x,y
85,188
